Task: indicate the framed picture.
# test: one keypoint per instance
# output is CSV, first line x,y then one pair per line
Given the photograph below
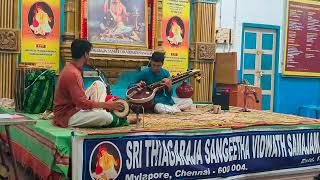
x,y
117,22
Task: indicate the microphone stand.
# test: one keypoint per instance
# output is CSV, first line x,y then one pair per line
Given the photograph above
x,y
102,78
247,91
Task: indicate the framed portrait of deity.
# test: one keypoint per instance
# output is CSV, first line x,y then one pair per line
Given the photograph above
x,y
116,22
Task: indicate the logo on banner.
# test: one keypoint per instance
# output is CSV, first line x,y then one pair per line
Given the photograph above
x,y
175,31
41,19
105,161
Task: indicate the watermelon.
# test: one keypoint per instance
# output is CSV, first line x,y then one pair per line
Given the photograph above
x,y
39,91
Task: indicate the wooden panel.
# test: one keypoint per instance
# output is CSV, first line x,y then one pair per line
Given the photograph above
x,y
8,63
8,60
226,68
202,49
203,89
203,29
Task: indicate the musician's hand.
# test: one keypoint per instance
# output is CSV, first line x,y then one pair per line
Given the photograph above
x,y
114,98
114,105
142,84
168,83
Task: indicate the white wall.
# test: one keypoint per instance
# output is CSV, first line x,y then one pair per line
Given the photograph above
x,y
233,13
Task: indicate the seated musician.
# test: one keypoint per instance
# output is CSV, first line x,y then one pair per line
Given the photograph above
x,y
164,102
75,107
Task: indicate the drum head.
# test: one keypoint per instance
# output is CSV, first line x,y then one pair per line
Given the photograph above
x,y
126,110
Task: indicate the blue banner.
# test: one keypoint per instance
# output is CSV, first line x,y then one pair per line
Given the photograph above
x,y
198,156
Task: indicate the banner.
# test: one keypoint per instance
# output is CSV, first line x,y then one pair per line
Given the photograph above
x,y
195,156
175,34
302,45
122,52
40,33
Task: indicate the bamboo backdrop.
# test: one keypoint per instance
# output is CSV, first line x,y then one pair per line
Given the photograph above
x,y
203,30
8,61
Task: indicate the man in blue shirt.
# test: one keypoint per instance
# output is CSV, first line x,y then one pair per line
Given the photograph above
x,y
164,102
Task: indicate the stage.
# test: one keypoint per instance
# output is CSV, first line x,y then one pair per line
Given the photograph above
x,y
196,144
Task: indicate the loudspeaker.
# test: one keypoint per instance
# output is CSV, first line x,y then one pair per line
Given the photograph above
x,y
221,97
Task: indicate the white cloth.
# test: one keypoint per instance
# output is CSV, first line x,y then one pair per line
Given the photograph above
x,y
97,91
181,104
91,118
96,117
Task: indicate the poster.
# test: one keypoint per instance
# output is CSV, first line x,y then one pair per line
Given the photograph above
x,y
302,48
118,22
40,33
196,156
175,34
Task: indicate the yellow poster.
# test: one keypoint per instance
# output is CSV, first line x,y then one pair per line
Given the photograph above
x,y
175,34
40,33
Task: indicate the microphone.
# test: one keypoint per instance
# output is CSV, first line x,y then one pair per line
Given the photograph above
x,y
256,97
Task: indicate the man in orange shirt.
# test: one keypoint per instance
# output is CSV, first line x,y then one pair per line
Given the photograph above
x,y
72,105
